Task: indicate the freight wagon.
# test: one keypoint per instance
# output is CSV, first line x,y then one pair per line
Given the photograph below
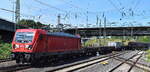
x,y
138,45
116,45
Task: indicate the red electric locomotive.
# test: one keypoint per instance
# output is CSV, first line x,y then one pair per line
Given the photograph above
x,y
30,45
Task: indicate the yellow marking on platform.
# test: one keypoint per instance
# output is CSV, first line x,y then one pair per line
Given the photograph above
x,y
104,62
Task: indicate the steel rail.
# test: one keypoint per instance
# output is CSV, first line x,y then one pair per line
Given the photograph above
x,y
81,63
111,70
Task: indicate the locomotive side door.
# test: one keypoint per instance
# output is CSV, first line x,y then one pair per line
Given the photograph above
x,y
42,43
46,43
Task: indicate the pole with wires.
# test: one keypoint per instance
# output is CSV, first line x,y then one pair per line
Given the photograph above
x,y
104,32
87,20
17,13
100,32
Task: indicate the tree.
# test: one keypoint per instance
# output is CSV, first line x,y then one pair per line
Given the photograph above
x,y
30,24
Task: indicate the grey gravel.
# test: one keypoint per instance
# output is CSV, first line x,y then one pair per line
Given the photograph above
x,y
105,68
6,64
143,60
94,68
100,67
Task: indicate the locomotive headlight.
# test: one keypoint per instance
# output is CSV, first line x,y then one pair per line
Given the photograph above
x,y
29,47
26,46
16,46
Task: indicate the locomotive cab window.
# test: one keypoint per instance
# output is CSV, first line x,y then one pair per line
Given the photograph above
x,y
24,37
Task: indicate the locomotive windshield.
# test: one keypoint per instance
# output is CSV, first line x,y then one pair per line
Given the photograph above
x,y
24,37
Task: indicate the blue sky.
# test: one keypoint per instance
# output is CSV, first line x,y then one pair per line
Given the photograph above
x,y
75,11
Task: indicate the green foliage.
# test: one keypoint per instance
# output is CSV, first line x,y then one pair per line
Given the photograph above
x,y
4,50
144,39
104,42
148,55
31,24
125,41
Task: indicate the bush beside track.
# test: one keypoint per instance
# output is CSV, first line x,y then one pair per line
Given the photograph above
x,y
4,50
148,55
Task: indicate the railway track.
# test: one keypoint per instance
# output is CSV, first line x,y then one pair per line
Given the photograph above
x,y
125,61
134,63
17,67
5,60
14,68
80,65
137,64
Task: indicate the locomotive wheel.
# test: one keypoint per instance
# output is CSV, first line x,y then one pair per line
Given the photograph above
x,y
17,61
34,61
21,60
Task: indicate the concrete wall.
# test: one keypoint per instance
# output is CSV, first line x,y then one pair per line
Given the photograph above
x,y
6,36
6,30
6,25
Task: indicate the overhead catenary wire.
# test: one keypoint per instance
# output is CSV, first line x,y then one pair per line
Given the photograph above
x,y
84,9
50,6
66,13
114,6
70,11
75,6
13,8
53,7
136,4
76,14
121,10
15,12
119,2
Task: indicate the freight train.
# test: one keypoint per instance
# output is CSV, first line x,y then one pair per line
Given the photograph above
x,y
138,45
33,45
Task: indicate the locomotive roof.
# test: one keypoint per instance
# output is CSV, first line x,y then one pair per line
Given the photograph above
x,y
62,34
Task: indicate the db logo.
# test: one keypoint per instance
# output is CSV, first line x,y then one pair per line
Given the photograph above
x,y
21,46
